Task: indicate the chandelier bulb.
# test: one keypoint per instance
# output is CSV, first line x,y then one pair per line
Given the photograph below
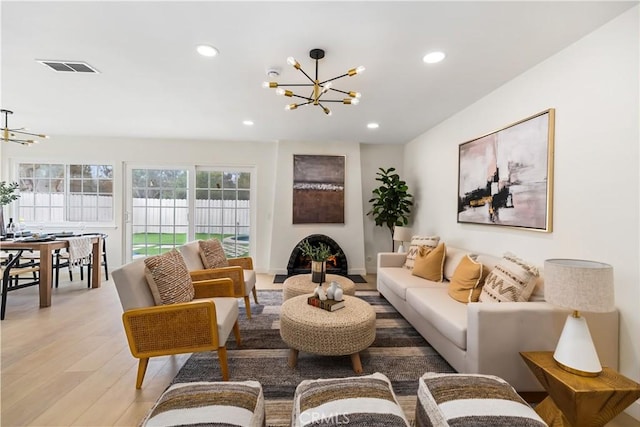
x,y
354,71
292,61
355,94
280,91
291,107
326,111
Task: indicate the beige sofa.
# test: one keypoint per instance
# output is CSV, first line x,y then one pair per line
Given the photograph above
x,y
485,338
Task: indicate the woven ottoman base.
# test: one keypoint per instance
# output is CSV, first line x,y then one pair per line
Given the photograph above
x,y
209,403
346,331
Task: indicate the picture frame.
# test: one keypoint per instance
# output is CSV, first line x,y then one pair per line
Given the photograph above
x,y
505,178
318,189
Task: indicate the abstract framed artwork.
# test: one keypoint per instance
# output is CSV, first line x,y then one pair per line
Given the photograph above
x,y
318,189
505,178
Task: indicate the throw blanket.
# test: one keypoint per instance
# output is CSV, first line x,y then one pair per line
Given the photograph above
x,y
80,249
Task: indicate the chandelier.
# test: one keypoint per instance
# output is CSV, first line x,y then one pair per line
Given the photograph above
x,y
319,88
17,135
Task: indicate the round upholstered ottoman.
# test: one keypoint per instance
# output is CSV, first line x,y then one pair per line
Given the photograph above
x,y
346,331
301,284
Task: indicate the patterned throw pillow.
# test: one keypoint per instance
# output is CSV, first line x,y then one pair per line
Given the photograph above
x,y
471,399
168,278
416,242
208,403
356,401
429,263
467,280
212,254
512,279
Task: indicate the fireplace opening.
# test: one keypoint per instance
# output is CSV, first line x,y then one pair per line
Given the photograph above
x,y
301,264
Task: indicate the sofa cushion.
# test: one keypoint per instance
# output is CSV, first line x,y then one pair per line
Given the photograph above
x,y
355,401
512,279
441,311
399,279
429,263
416,242
239,403
453,258
467,281
471,400
168,278
212,254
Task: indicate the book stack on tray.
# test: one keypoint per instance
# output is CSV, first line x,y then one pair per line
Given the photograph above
x,y
328,304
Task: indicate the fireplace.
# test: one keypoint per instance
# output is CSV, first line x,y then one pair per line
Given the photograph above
x,y
301,264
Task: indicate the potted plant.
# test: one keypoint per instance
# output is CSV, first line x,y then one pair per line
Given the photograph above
x,y
391,202
319,255
7,195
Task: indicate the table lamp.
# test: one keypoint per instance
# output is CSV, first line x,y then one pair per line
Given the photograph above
x,y
580,286
401,234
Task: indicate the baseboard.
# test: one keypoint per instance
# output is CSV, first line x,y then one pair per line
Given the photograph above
x,y
634,410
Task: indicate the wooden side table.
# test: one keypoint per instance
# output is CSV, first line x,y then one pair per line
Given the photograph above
x,y
576,400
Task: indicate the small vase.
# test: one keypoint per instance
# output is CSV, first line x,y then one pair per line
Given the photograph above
x,y
318,269
337,295
331,290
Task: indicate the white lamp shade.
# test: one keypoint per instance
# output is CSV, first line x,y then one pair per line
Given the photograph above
x,y
579,285
402,234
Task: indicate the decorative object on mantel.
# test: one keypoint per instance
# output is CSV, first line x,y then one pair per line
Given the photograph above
x,y
506,177
7,195
319,88
391,202
580,286
19,135
319,254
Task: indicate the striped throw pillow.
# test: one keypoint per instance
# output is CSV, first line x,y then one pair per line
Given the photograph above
x,y
416,242
354,401
471,400
209,403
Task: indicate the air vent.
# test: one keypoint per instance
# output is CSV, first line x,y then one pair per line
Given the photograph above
x,y
68,66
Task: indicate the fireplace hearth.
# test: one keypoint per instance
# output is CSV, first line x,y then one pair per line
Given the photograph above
x,y
301,264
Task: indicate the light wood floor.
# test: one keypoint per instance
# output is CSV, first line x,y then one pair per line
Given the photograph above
x,y
69,364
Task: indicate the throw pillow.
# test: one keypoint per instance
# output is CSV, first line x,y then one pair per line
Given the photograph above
x,y
212,254
416,242
466,282
512,279
357,401
471,399
429,263
168,278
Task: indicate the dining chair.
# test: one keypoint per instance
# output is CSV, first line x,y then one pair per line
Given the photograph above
x,y
12,271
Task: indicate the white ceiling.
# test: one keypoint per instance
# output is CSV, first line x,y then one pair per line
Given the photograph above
x,y
152,83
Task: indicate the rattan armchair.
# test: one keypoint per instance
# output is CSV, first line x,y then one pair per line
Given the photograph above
x,y
240,271
203,324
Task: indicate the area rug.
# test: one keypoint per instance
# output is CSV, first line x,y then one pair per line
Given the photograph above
x,y
398,351
355,278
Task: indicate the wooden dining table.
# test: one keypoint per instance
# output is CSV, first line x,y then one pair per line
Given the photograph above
x,y
46,249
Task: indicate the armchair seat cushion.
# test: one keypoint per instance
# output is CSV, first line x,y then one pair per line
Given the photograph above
x,y
209,403
227,314
249,280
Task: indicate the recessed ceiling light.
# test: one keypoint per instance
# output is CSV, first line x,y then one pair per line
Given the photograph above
x,y
373,125
247,122
433,57
206,50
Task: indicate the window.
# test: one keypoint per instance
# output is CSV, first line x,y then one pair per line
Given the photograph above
x,y
71,193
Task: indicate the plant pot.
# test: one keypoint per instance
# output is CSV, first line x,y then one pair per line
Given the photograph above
x,y
318,269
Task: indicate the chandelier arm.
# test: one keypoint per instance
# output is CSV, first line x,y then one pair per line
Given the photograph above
x,y
303,97
296,84
306,75
332,100
341,91
27,133
335,78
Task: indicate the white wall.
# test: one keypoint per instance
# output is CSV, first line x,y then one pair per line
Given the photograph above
x,y
593,85
373,157
348,235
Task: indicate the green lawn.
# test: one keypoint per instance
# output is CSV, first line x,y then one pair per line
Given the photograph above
x,y
158,243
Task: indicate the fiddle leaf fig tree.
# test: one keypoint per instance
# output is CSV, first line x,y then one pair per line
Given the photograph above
x,y
391,202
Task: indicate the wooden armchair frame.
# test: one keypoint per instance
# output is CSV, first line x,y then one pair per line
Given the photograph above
x,y
180,328
235,272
